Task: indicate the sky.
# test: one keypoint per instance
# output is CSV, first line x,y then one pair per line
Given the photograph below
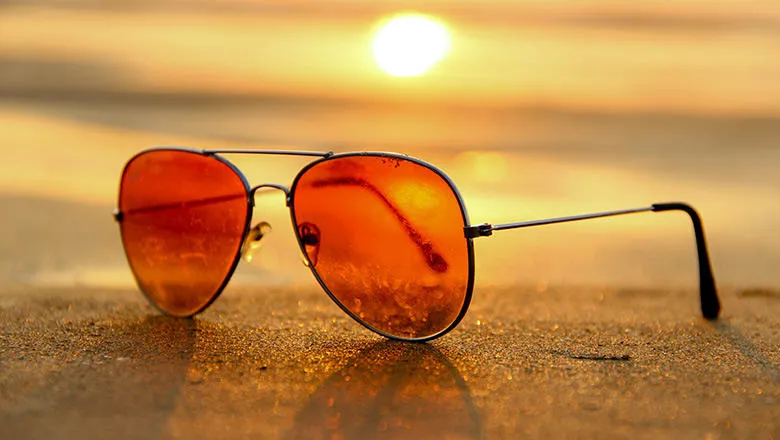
x,y
689,56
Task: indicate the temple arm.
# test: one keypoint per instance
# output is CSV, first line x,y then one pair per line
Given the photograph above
x,y
120,215
710,305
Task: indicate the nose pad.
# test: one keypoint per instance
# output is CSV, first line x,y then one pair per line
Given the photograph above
x,y
252,241
310,238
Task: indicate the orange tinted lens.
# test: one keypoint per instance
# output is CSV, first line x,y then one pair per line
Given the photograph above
x,y
385,236
184,216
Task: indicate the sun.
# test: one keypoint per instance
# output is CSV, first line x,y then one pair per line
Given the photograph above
x,y
410,44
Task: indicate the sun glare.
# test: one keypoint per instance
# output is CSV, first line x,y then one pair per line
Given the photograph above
x,y
410,44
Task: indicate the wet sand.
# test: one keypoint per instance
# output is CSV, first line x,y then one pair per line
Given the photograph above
x,y
63,160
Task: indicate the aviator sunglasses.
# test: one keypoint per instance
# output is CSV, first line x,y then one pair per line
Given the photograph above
x,y
386,235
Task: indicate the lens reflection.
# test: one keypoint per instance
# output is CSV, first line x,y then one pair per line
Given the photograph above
x,y
184,216
389,242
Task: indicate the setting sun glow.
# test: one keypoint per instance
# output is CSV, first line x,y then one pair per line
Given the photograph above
x,y
410,44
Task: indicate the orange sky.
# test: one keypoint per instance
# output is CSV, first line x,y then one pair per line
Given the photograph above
x,y
603,55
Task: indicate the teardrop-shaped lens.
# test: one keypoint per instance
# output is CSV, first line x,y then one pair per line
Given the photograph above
x,y
389,244
183,218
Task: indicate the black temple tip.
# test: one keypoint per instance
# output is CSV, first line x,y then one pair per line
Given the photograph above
x,y
710,304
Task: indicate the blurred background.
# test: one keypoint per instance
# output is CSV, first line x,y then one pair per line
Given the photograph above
x,y
536,108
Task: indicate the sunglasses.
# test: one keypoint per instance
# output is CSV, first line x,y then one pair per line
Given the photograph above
x,y
386,235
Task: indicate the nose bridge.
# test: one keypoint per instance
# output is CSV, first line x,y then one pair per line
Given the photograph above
x,y
282,188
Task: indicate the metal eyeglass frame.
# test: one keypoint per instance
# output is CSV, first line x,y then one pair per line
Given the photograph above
x,y
710,304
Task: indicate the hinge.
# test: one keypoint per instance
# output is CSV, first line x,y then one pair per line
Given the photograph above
x,y
118,215
483,230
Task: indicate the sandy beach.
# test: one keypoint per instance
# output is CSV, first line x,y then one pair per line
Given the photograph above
x,y
286,363
582,330
590,331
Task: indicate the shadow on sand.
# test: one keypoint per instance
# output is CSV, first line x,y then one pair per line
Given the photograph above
x,y
125,385
747,348
391,390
